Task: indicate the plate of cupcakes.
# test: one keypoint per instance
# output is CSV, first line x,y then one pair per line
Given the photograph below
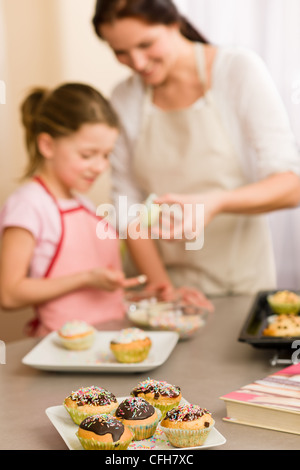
x,y
153,416
83,349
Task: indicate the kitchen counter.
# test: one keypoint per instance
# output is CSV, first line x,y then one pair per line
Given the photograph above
x,y
209,365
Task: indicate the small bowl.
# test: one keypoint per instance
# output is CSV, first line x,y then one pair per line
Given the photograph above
x,y
284,302
146,309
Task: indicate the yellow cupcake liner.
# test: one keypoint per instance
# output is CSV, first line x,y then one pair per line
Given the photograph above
x,y
132,356
163,408
289,309
78,416
185,437
144,431
93,444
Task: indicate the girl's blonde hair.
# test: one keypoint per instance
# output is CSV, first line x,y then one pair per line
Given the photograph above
x,y
60,113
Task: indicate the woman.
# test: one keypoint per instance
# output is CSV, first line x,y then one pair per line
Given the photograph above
x,y
201,125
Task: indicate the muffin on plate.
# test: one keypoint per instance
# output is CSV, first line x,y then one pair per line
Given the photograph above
x,y
139,415
104,432
187,425
159,394
131,345
77,335
284,302
90,401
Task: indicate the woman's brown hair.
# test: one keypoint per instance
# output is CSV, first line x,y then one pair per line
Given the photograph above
x,y
150,11
60,113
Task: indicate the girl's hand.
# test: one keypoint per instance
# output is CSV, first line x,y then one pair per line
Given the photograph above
x,y
105,278
110,279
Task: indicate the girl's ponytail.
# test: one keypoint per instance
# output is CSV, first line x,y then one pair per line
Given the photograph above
x,y
29,112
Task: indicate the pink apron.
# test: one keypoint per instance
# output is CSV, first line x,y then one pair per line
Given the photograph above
x,y
79,249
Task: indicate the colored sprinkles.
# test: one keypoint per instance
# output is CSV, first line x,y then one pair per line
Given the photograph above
x,y
159,388
128,335
186,413
96,396
134,408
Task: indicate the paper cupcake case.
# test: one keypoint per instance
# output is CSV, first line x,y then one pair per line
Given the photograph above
x,y
131,356
186,437
78,416
145,431
93,444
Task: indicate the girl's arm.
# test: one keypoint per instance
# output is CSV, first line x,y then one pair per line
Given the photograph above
x,y
17,290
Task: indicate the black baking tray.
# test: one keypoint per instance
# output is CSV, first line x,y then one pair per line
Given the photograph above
x,y
256,322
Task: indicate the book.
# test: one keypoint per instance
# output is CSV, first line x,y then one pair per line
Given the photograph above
x,y
270,403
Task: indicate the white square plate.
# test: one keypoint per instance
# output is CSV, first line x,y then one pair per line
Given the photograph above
x,y
49,354
63,423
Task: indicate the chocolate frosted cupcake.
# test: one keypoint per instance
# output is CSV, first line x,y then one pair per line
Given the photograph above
x,y
90,401
103,432
187,425
160,394
139,415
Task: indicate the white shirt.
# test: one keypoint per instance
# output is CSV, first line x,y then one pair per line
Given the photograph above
x,y
251,111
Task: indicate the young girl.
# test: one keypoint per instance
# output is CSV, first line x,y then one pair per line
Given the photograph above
x,y
51,257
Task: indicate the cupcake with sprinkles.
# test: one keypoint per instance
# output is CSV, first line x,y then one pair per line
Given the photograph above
x,y
159,394
139,415
90,401
131,345
77,335
104,432
187,425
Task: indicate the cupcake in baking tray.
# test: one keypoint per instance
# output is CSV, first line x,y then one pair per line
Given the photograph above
x,y
131,345
159,394
104,432
89,401
284,302
77,335
139,415
187,425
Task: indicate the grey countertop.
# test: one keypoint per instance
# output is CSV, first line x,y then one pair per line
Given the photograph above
x,y
209,365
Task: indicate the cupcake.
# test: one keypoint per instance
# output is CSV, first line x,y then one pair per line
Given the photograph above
x,y
131,345
284,302
187,425
162,395
90,401
103,432
139,415
77,335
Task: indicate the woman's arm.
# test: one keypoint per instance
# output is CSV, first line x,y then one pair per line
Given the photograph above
x,y
17,290
276,192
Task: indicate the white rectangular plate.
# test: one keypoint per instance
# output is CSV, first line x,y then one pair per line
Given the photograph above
x,y
63,423
49,354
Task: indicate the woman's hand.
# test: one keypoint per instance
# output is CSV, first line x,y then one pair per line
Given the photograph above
x,y
184,217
